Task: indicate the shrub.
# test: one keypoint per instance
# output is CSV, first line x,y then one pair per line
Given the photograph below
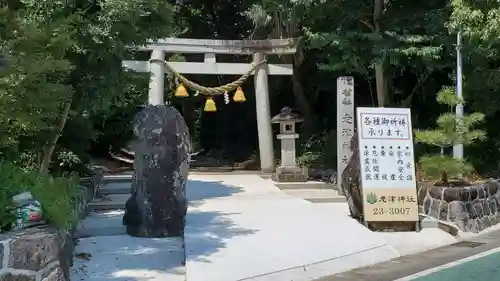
x,y
13,180
450,130
57,195
319,151
58,199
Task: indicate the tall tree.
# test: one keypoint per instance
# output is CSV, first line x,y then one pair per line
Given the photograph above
x,y
478,22
376,38
33,80
81,44
284,19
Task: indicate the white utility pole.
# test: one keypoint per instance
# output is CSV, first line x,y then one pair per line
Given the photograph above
x,y
458,149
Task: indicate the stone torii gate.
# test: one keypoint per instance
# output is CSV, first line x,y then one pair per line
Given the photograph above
x,y
210,48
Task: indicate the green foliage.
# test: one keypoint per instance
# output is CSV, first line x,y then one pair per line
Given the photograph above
x,y
444,167
319,151
409,33
57,53
55,194
13,180
311,159
450,130
32,82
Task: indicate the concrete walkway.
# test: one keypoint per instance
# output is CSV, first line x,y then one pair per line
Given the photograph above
x,y
126,258
238,227
244,228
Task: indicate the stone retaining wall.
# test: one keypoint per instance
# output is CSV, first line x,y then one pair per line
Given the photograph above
x,y
470,208
42,253
33,254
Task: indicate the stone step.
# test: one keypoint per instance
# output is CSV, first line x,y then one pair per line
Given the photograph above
x,y
103,223
115,187
117,178
305,185
316,195
108,202
327,200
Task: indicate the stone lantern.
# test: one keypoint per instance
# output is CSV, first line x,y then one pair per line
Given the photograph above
x,y
288,171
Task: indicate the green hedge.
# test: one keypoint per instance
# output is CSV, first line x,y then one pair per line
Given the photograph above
x,y
57,195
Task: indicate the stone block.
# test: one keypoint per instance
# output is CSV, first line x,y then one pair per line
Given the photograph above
x,y
326,175
462,193
457,211
66,253
157,205
2,253
432,207
451,229
351,181
34,248
471,208
492,205
56,275
17,276
473,225
429,223
288,174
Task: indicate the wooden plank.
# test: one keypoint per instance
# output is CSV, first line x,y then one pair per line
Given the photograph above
x,y
248,47
211,68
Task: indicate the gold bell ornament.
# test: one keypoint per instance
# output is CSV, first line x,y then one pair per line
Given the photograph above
x,y
239,96
210,105
181,91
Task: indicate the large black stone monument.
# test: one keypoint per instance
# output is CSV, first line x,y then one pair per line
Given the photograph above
x,y
157,206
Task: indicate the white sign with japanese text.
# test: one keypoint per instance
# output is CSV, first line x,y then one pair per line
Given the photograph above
x,y
345,123
387,164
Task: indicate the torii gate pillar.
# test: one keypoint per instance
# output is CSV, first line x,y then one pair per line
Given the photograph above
x,y
157,78
266,147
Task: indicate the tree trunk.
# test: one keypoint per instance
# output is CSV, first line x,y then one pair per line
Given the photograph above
x,y
298,91
48,150
292,29
381,83
380,79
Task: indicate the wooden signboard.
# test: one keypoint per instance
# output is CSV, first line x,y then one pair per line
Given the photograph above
x,y
387,164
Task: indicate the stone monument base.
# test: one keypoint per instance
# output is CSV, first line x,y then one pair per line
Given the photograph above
x,y
290,174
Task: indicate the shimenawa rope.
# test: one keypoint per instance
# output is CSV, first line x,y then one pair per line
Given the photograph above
x,y
212,91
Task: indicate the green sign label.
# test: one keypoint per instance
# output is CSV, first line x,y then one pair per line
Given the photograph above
x,y
371,198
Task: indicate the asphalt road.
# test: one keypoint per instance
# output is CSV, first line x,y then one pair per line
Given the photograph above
x,y
442,264
485,268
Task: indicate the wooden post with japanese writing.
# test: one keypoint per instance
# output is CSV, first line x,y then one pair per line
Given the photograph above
x,y
345,124
387,165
